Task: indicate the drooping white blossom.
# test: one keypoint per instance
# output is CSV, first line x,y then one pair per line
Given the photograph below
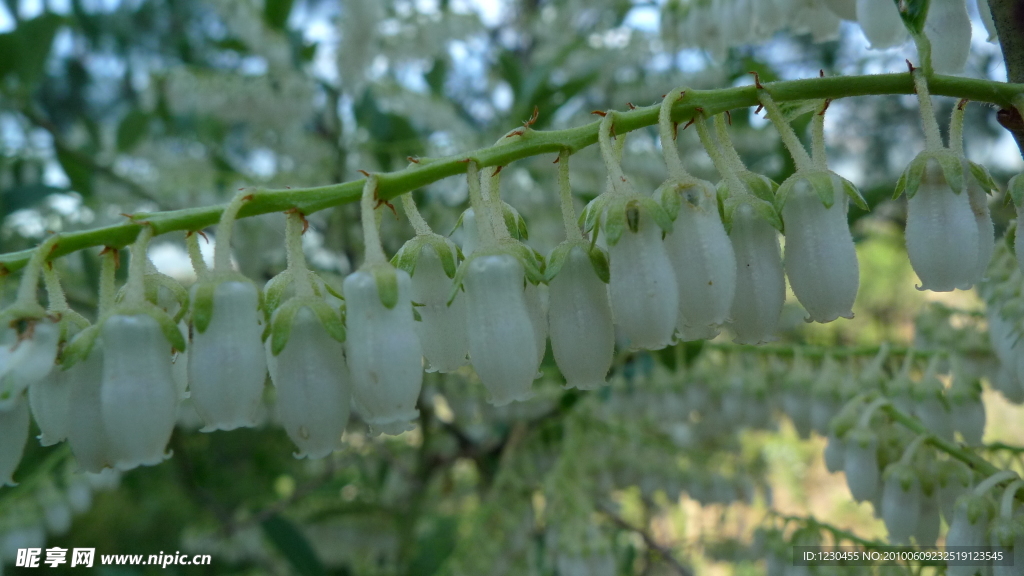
x,y
948,28
138,397
861,465
87,434
760,283
901,502
313,386
502,340
227,362
442,328
580,323
880,20
13,435
384,354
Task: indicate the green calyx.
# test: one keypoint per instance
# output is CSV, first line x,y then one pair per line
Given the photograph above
x,y
386,277
904,473
284,316
978,508
408,256
514,221
758,192
613,212
275,289
914,13
533,263
22,312
1015,190
826,184
951,166
598,259
846,420
81,345
202,299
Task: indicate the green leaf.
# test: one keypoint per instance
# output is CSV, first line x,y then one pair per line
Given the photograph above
x,y
436,76
387,284
434,547
293,545
276,12
132,129
202,305
77,170
914,13
25,196
1015,190
599,260
25,49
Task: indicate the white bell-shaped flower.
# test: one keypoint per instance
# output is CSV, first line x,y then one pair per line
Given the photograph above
x,y
820,260
968,528
580,321
704,264
87,435
929,522
384,354
844,9
138,397
948,28
227,365
861,464
990,26
50,400
643,289
835,453
931,407
13,435
1008,533
313,386
954,480
968,412
942,234
442,328
901,502
760,283
28,357
502,341
880,20
978,200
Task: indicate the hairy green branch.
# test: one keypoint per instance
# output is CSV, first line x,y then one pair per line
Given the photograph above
x,y
532,143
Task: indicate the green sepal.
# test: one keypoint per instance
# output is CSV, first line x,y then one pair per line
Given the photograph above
x,y
1015,190
759,185
1010,237
274,290
633,216
202,305
514,222
904,474
386,277
657,212
177,290
330,290
762,208
168,325
69,318
983,177
460,275
447,252
328,316
914,13
911,178
28,312
613,223
281,325
599,260
953,170
533,266
848,417
457,223
557,258
668,195
408,255
591,214
79,347
824,186
855,196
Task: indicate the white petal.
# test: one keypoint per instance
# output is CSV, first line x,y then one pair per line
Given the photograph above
x,y
760,283
986,18
138,396
13,435
942,235
227,363
821,261
442,329
880,20
502,341
580,321
704,264
86,433
901,508
929,522
948,27
312,384
986,230
384,354
643,289
861,467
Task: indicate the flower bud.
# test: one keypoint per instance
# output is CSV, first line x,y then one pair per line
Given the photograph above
x,y
384,354
861,464
87,435
901,502
227,365
704,264
880,20
642,289
138,398
941,234
312,384
948,28
760,283
502,341
442,327
13,435
580,323
821,261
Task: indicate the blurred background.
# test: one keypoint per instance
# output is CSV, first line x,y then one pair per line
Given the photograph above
x,y
110,107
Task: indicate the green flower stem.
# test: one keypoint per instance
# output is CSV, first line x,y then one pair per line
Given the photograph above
x,y
293,230
994,480
415,218
667,131
27,291
932,134
222,250
484,228
1006,504
837,532
371,234
57,300
865,417
966,456
195,254
956,129
911,449
532,143
572,229
108,286
725,165
135,286
786,132
818,155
